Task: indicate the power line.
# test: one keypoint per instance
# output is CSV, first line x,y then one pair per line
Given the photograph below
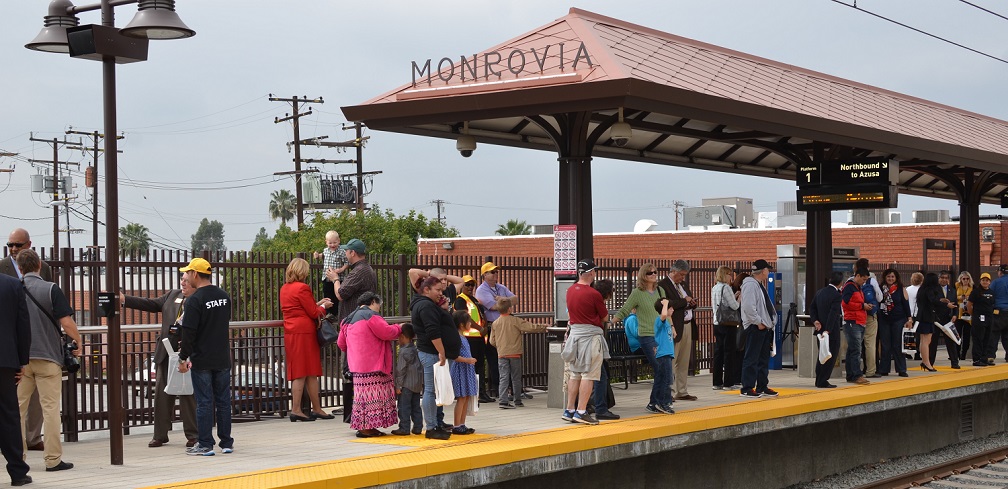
x,y
887,19
985,10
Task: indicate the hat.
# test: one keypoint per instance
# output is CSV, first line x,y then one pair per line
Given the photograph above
x,y
759,265
356,245
585,266
467,278
1004,268
487,267
985,275
198,265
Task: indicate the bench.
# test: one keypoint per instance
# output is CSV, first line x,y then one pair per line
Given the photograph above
x,y
621,356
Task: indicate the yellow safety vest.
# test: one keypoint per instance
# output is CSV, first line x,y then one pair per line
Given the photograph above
x,y
476,317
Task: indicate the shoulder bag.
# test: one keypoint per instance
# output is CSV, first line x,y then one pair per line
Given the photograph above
x,y
327,331
70,362
726,315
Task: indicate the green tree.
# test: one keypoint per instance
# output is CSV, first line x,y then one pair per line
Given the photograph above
x,y
209,237
282,206
261,240
514,227
134,238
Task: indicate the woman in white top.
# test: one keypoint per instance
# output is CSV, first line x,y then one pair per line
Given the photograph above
x,y
915,282
725,352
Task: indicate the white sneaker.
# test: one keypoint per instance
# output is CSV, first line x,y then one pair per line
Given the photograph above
x,y
227,450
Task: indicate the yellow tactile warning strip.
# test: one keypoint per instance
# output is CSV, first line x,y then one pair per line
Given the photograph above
x,y
783,391
420,440
475,452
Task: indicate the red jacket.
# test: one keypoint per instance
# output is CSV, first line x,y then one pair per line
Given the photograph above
x,y
300,312
853,303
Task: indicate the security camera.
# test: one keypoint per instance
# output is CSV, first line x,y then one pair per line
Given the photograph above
x,y
465,144
620,133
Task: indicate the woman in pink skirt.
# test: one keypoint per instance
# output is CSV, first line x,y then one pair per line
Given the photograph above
x,y
365,337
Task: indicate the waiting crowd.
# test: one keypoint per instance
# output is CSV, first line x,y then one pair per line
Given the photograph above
x,y
465,329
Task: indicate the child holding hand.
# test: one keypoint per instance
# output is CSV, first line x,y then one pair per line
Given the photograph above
x,y
408,384
463,374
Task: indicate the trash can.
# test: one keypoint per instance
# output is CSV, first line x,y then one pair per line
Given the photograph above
x,y
808,348
555,372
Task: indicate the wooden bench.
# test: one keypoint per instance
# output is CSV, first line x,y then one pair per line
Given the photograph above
x,y
621,356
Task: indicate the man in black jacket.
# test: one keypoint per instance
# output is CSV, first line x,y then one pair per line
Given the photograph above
x,y
827,314
944,315
437,341
170,305
15,342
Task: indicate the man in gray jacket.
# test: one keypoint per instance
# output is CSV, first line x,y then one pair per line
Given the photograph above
x,y
758,318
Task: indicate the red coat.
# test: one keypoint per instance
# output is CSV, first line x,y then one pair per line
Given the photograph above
x,y
300,316
853,304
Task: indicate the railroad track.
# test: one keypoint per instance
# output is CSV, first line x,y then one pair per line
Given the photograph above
x,y
985,469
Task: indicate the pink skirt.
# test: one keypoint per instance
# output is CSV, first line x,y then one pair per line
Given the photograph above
x,y
374,403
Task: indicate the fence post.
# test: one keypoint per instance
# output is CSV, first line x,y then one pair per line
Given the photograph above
x,y
403,278
70,413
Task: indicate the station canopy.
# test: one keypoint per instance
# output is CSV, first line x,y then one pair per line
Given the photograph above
x,y
689,104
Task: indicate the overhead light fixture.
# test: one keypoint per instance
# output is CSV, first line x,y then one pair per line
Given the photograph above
x,y
156,19
465,144
53,36
620,132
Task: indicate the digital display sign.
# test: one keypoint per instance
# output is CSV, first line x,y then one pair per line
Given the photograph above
x,y
864,171
837,197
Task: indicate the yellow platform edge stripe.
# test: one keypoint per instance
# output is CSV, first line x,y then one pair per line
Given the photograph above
x,y
413,463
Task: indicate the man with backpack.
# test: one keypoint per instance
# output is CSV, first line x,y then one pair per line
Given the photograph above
x,y
872,293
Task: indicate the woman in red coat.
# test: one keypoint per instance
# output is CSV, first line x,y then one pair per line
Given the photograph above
x,y
301,313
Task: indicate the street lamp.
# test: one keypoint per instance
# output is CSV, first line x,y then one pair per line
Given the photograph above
x,y
155,19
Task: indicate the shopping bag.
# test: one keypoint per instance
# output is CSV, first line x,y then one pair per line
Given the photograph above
x,y
473,406
824,353
178,383
910,341
444,393
950,331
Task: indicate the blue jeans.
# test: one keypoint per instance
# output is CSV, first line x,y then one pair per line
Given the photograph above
x,y
890,333
756,362
661,391
409,408
854,333
432,413
212,389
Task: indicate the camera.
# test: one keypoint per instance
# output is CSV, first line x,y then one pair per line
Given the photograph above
x,y
70,362
465,145
620,133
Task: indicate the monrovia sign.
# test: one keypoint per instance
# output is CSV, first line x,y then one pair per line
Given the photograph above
x,y
493,63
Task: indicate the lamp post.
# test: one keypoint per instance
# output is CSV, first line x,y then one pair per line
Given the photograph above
x,y
155,19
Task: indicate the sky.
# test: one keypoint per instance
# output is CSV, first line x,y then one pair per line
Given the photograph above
x,y
201,142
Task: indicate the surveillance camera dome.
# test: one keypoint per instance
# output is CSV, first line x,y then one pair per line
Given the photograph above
x,y
620,133
465,145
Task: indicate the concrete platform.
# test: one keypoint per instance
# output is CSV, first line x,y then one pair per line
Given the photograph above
x,y
533,442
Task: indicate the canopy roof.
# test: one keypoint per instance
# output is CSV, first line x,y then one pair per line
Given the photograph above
x,y
690,104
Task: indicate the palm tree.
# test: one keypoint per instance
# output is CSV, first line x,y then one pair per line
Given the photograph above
x,y
282,206
514,227
134,238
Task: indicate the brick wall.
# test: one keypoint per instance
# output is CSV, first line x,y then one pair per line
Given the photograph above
x,y
900,243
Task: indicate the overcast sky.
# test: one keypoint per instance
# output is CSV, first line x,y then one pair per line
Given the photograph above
x,y
201,141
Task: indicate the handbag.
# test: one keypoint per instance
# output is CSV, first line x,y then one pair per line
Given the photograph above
x,y
327,332
70,362
178,383
726,315
740,337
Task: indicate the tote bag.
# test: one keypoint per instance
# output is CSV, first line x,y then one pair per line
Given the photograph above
x,y
444,393
178,383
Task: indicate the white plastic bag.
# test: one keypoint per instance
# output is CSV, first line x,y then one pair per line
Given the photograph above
x,y
824,353
473,406
178,383
444,393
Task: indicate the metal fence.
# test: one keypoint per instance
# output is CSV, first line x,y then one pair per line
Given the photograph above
x,y
253,281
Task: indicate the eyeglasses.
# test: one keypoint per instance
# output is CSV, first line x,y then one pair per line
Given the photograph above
x,y
493,272
652,272
15,245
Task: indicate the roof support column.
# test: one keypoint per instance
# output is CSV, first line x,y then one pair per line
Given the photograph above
x,y
818,253
576,201
975,184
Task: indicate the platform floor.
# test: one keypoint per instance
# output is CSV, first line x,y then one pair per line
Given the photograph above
x,y
278,453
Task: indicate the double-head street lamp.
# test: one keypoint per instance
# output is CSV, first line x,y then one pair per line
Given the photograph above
x,y
155,19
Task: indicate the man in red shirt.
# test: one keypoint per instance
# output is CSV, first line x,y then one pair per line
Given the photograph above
x,y
855,316
585,347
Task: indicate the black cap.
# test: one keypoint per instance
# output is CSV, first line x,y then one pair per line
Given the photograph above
x,y
1004,268
759,265
585,266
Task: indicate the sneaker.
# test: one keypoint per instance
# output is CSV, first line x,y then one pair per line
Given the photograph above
x,y
227,450
735,387
526,396
607,416
199,450
567,416
66,466
445,426
462,430
507,405
438,434
718,387
584,418
519,404
400,432
749,393
667,409
651,408
768,392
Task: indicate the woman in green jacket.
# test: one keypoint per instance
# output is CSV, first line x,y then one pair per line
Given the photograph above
x,y
642,300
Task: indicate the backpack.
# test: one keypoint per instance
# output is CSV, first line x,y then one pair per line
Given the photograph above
x,y
869,296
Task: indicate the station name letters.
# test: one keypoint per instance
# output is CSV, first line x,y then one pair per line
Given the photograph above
x,y
493,63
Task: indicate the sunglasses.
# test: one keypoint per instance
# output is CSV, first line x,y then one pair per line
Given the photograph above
x,y
652,272
15,245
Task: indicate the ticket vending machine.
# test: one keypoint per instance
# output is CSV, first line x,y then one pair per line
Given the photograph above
x,y
791,285
555,335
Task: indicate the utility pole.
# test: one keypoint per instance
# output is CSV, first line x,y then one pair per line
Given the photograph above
x,y
440,207
296,104
360,168
91,178
677,204
56,143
